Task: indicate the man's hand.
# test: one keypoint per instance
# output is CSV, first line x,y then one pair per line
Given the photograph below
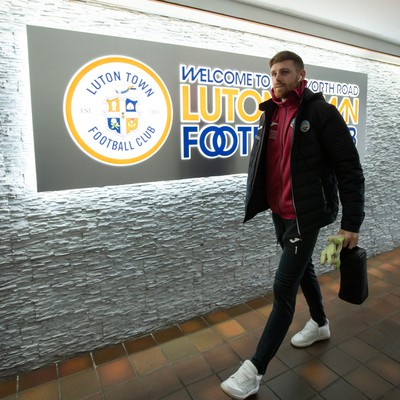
x,y
350,238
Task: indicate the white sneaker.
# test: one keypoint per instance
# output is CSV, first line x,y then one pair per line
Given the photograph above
x,y
310,334
243,383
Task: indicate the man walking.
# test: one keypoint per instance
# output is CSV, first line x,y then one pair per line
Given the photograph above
x,y
302,156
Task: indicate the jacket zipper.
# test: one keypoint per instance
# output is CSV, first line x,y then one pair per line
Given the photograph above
x,y
291,177
280,165
281,156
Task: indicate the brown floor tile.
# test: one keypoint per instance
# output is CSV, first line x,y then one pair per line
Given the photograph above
x,y
396,263
372,262
316,397
207,389
115,372
181,394
221,358
264,311
216,317
336,308
258,333
386,368
226,373
338,361
96,396
205,339
140,344
393,352
37,377
392,395
290,386
342,390
130,390
301,304
178,349
376,272
229,329
161,383
269,297
386,267
346,327
75,365
292,356
298,323
264,393
396,291
368,316
389,327
258,302
392,300
193,325
79,386
316,374
237,310
167,334
375,338
192,369
329,277
378,288
319,347
108,354
368,383
149,360
330,291
244,346
48,391
276,367
382,308
389,255
396,318
359,350
251,320
8,387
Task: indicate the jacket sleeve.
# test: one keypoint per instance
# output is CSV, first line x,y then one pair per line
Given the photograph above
x,y
255,201
337,144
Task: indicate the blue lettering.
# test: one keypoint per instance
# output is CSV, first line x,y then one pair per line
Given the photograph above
x,y
353,133
188,141
213,141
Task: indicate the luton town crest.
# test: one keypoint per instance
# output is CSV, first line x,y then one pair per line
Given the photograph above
x,y
118,110
122,116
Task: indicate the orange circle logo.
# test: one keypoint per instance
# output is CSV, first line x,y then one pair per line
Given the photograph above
x,y
118,110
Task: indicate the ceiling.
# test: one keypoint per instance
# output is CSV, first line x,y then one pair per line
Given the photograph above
x,y
377,19
367,24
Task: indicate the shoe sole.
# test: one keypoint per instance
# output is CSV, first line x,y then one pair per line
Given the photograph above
x,y
237,397
311,342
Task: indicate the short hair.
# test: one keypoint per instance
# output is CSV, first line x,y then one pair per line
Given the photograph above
x,y
285,56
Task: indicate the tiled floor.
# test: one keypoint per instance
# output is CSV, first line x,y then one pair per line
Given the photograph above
x,y
360,361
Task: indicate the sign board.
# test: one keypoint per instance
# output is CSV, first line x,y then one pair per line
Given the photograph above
x,y
112,111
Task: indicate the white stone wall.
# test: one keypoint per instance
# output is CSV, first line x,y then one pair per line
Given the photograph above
x,y
84,269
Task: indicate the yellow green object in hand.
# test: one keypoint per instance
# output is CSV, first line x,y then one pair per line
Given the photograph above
x,y
331,253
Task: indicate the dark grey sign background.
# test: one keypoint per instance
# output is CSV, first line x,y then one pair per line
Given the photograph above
x,y
56,55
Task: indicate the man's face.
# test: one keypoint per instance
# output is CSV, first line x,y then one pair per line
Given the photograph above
x,y
285,78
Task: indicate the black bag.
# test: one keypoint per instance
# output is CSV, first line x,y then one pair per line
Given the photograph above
x,y
353,275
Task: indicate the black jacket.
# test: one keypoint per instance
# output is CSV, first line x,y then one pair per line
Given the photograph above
x,y
324,160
